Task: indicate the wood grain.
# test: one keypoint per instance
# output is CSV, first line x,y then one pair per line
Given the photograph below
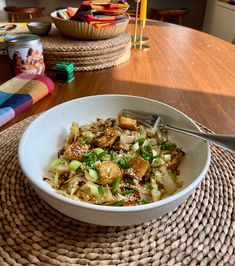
x,y
187,69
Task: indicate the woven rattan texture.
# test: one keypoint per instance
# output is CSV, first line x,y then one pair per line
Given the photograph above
x,y
86,55
56,42
90,61
199,232
88,66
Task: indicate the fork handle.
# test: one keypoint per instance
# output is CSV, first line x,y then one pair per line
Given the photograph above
x,y
224,141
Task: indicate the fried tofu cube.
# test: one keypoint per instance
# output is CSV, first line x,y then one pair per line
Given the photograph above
x,y
140,166
127,123
107,138
75,151
108,172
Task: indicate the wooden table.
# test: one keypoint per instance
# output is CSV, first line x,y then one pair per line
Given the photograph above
x,y
187,69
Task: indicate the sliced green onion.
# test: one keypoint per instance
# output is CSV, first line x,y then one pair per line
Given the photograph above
x,y
154,153
167,146
157,162
93,174
98,151
115,185
82,142
101,155
146,152
157,175
119,203
101,191
128,191
145,155
93,189
146,143
135,146
89,157
130,156
148,147
57,162
166,157
149,185
131,181
123,163
145,201
87,134
141,138
74,165
112,156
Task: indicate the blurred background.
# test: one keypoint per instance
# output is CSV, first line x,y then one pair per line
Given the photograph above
x,y
215,17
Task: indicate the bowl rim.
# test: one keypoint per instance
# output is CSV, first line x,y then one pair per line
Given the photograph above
x,y
38,24
91,206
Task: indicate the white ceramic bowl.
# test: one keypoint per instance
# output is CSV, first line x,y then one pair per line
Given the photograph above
x,y
44,136
85,31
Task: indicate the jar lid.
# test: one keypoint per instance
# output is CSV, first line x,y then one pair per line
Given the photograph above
x,y
22,40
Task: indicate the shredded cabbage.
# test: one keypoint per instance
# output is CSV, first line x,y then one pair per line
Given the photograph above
x,y
110,163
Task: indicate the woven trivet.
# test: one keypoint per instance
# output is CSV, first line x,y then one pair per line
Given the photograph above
x,y
86,55
95,62
56,42
93,59
88,67
201,231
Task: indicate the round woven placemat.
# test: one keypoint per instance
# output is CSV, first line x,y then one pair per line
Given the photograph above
x,y
95,63
86,55
56,42
201,231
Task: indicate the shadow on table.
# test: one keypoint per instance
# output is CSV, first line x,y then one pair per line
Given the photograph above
x,y
210,109
214,111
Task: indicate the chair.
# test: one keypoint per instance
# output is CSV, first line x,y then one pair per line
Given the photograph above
x,y
17,14
176,14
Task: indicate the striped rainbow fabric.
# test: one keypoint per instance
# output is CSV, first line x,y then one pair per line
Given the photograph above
x,y
20,92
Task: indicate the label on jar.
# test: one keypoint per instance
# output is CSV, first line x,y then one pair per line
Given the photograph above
x,y
27,59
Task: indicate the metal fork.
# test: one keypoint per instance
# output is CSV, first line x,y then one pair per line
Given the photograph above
x,y
154,120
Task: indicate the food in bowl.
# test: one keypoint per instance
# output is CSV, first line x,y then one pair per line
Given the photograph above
x,y
99,14
116,162
92,20
86,31
40,141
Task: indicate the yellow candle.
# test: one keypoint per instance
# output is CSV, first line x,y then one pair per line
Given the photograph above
x,y
143,9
